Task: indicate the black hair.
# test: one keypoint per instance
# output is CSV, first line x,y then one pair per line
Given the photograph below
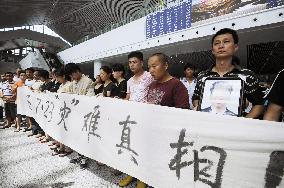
x,y
30,69
72,68
22,71
8,73
44,74
118,67
227,31
108,70
189,65
162,57
136,54
61,72
221,84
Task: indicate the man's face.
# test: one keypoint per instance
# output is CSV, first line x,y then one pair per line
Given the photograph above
x,y
36,77
29,74
23,76
76,75
188,73
223,46
3,78
220,98
156,68
135,64
9,77
18,71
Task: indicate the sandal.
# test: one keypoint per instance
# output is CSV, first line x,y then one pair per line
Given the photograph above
x,y
54,147
65,153
27,129
44,140
57,152
52,143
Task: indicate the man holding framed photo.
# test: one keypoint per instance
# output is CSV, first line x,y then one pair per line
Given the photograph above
x,y
224,47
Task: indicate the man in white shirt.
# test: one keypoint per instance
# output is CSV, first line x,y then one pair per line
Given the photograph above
x,y
137,90
30,77
81,85
189,81
16,77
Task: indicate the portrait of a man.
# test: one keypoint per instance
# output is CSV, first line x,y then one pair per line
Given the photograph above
x,y
219,99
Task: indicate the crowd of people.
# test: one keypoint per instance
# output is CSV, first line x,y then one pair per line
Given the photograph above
x,y
155,87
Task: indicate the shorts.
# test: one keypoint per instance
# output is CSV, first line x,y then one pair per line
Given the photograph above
x,y
10,110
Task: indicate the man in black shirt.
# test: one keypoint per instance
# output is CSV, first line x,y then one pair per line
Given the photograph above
x,y
276,98
224,46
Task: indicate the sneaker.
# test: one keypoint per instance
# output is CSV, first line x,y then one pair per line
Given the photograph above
x,y
140,184
126,181
83,163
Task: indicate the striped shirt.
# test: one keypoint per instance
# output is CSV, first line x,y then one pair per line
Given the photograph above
x,y
252,90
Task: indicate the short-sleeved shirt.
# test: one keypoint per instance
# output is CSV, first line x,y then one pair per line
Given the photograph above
x,y
111,87
190,88
171,93
64,88
276,92
122,89
138,88
84,86
36,86
252,90
7,88
18,84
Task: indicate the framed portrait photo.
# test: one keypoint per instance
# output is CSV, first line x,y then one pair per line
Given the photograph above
x,y
223,96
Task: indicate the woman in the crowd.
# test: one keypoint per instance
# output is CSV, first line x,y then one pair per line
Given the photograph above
x,y
99,85
65,87
110,88
118,72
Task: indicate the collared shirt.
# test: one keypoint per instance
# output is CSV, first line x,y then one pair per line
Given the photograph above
x,y
84,86
252,90
7,88
190,88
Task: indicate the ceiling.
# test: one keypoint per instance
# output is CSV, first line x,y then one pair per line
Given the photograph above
x,y
71,19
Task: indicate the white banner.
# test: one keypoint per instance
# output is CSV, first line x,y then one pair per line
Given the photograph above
x,y
164,147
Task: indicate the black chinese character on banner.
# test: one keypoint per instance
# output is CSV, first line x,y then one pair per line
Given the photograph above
x,y
275,170
91,121
199,174
29,102
125,138
39,102
65,111
49,111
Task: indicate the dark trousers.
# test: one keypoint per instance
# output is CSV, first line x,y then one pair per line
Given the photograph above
x,y
36,129
1,112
